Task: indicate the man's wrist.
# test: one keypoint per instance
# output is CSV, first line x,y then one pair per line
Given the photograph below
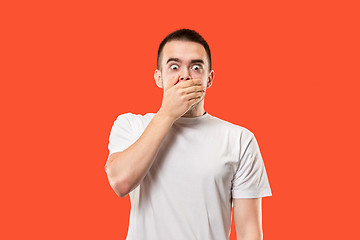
x,y
162,116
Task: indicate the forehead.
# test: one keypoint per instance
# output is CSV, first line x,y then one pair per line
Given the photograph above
x,y
184,50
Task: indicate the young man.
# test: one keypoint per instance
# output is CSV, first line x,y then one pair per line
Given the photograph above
x,y
183,168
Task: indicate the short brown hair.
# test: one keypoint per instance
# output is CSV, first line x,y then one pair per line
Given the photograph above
x,y
187,35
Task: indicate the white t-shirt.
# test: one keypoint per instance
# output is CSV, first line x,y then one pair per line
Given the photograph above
x,y
201,165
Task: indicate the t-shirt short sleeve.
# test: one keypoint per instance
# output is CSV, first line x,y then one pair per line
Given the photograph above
x,y
250,179
121,134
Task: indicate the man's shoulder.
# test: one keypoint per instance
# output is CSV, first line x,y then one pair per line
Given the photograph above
x,y
135,116
135,120
234,127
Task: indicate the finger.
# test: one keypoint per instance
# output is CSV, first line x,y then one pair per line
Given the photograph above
x,y
191,82
195,94
194,88
173,81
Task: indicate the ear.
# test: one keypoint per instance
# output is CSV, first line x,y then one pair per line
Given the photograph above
x,y
158,79
210,78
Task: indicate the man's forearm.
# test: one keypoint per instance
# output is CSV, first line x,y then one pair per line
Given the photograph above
x,y
127,169
250,237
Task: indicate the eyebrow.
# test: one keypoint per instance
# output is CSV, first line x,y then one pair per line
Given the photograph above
x,y
178,60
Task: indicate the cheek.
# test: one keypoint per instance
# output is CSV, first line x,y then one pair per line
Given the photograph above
x,y
196,74
166,78
166,75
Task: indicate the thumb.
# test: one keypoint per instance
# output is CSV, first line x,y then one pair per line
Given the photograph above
x,y
173,81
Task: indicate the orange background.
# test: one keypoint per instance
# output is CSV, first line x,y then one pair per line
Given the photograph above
x,y
286,70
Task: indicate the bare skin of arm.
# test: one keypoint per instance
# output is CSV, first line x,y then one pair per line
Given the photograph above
x,y
248,218
127,169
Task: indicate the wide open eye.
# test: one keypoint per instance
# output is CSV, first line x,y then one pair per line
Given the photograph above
x,y
196,67
174,66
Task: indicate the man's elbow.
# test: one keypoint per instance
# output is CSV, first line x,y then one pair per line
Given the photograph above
x,y
120,187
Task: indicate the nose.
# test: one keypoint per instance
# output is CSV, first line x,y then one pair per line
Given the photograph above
x,y
184,75
184,78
